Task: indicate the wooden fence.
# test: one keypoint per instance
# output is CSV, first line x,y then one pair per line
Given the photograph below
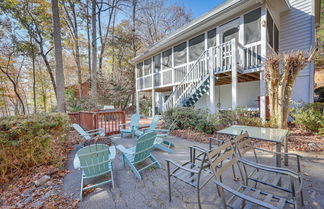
x,y
109,121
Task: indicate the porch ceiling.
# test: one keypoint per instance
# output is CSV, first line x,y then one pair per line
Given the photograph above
x,y
226,78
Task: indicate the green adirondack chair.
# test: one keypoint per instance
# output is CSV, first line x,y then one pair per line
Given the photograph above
x,y
139,153
161,134
95,160
87,135
133,126
153,126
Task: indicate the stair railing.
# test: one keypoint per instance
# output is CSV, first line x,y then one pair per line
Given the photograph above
x,y
218,55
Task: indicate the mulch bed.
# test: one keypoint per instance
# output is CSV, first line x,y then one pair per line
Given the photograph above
x,y
298,140
23,192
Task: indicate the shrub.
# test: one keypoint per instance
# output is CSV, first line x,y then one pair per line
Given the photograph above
x,y
27,141
310,117
201,120
189,118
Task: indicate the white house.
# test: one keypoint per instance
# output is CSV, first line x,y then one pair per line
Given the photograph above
x,y
216,61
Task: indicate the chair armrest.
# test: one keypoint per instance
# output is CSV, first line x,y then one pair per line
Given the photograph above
x,y
199,148
272,169
124,150
160,130
298,157
219,142
112,151
180,166
94,130
245,197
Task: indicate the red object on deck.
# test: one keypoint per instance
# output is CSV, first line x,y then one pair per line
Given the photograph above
x,y
109,121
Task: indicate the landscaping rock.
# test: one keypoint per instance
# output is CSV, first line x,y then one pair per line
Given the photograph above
x,y
42,180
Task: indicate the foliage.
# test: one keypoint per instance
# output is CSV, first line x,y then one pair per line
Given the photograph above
x,y
320,93
189,118
75,103
27,141
202,121
310,117
146,105
281,71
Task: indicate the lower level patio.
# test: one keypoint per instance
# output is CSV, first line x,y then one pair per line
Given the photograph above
x,y
152,191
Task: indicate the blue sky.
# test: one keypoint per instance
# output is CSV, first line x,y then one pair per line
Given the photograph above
x,y
199,7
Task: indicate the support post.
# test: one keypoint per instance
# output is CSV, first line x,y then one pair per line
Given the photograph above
x,y
137,102
263,57
212,99
153,102
234,75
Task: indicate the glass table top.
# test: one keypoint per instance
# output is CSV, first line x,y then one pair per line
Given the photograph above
x,y
267,134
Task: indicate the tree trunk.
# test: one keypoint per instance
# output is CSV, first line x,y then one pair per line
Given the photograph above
x,y
89,40
60,84
34,85
94,55
134,4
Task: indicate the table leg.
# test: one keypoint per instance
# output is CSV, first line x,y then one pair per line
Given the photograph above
x,y
278,155
286,151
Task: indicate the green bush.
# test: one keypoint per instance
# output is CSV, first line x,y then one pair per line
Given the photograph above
x,y
189,118
310,117
27,141
201,120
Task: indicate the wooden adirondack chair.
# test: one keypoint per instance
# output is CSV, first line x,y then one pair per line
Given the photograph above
x,y
245,196
153,126
139,153
133,126
95,160
88,135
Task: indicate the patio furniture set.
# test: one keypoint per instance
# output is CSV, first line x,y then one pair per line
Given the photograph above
x,y
262,185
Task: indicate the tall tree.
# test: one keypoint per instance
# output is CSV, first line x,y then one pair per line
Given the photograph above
x,y
94,53
58,58
72,23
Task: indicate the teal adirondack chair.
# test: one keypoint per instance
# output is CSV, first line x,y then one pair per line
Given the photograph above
x,y
161,134
139,153
87,135
133,126
153,126
95,160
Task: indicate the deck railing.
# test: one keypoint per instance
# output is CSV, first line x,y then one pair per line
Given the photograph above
x,y
109,121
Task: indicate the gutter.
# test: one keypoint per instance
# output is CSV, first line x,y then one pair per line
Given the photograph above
x,y
221,9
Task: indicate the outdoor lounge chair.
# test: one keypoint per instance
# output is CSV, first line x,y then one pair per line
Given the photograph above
x,y
139,153
133,126
88,135
243,144
153,126
245,196
95,160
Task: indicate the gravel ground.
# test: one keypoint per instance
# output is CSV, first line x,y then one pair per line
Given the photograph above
x,y
152,191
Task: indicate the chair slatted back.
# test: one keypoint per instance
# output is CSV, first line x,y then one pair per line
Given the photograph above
x,y
81,131
154,122
221,158
144,146
134,123
243,144
94,159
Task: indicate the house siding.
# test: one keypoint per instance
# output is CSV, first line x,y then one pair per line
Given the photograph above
x,y
297,33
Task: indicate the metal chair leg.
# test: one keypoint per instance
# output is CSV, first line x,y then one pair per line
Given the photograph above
x,y
198,196
169,180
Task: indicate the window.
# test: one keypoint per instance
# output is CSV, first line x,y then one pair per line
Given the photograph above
x,y
230,34
196,47
167,59
211,38
270,29
180,54
157,63
252,26
272,33
139,67
147,66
